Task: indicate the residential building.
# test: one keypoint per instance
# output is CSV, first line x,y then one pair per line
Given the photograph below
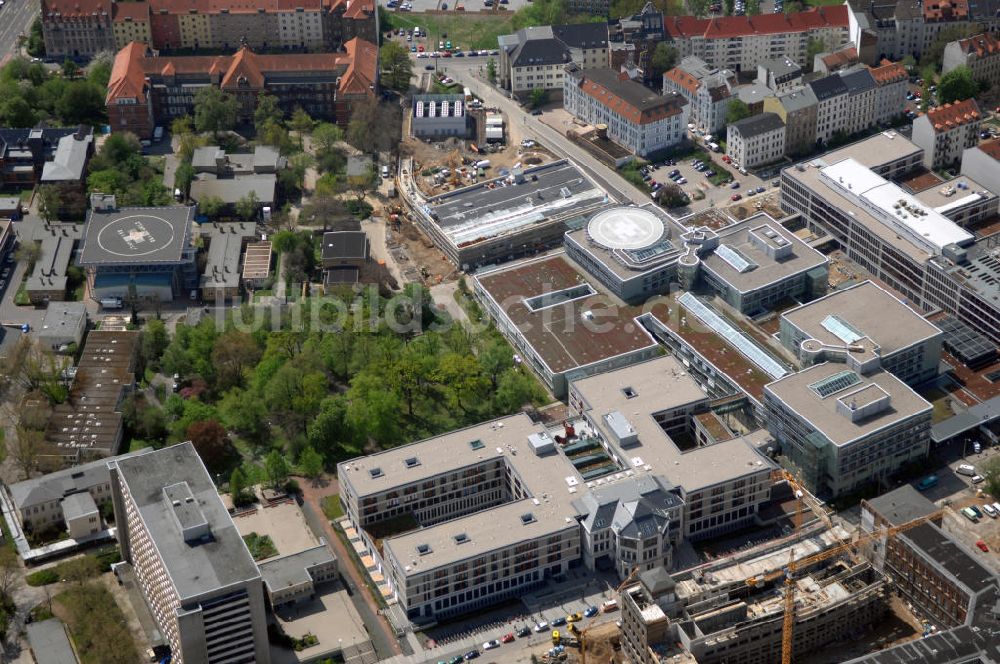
x,y
891,85
945,132
707,90
438,116
88,424
521,220
536,57
983,160
779,74
63,325
980,53
831,106
865,319
756,140
845,426
139,252
739,43
344,255
861,92
925,257
77,29
293,578
542,306
231,178
637,118
40,504
202,586
842,58
937,575
45,155
146,90
797,109
74,30
518,528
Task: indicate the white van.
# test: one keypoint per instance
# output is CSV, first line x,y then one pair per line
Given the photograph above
x,y
990,512
966,469
385,171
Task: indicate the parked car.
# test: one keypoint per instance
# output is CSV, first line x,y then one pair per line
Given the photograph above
x,y
574,617
735,185
609,606
966,469
590,612
982,546
969,514
976,479
429,67
682,180
507,638
735,197
490,645
976,447
523,632
558,622
541,627
456,660
472,654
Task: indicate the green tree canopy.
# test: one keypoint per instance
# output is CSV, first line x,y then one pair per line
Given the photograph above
x,y
736,111
214,110
664,57
538,97
267,111
957,85
397,68
211,206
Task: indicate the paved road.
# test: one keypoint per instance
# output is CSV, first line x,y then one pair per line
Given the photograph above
x,y
16,17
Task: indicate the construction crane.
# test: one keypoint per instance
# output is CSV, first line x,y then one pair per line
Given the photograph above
x,y
628,580
849,546
803,496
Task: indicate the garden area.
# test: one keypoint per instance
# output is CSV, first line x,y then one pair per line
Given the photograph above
x,y
96,624
260,546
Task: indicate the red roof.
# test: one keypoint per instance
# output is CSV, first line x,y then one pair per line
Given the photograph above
x,y
949,116
741,26
127,79
76,7
629,111
234,6
946,10
991,147
358,8
362,72
840,58
137,11
982,44
683,79
889,72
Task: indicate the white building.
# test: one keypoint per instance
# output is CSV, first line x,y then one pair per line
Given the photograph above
x,y
708,91
983,162
980,53
535,57
756,140
891,86
945,132
637,118
831,111
64,324
195,571
779,74
438,116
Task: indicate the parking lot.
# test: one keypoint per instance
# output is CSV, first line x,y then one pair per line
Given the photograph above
x,y
430,47
691,180
417,6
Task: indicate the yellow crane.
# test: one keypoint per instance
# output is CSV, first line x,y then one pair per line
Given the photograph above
x,y
850,546
802,496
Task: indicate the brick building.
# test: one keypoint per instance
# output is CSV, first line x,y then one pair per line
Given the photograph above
x,y
146,90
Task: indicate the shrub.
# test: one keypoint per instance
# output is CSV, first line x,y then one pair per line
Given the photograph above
x,y
43,577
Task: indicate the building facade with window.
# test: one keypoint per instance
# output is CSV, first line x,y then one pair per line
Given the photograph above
x,y
945,132
756,140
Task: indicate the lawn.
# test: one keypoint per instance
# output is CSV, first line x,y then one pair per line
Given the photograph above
x,y
465,31
332,507
96,625
261,547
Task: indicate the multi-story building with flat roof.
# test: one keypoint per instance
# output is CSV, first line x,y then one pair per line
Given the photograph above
x,y
638,119
756,140
909,244
944,132
844,426
865,319
491,520
202,586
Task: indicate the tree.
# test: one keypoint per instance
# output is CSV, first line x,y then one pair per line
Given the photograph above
x,y
10,571
238,488
16,112
301,123
990,470
210,440
736,111
183,177
311,463
69,68
326,136
909,62
36,40
182,126
276,469
956,85
24,447
153,342
214,110
246,207
361,130
397,68
81,569
664,57
538,97
232,354
211,206
267,111
813,48
491,70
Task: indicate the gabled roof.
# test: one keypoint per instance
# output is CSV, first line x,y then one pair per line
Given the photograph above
x,y
828,87
858,81
756,125
742,26
244,70
683,79
841,58
66,8
635,102
128,80
991,148
889,72
980,45
362,72
947,117
134,11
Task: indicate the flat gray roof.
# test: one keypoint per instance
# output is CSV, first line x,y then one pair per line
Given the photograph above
x,y
902,505
802,258
49,642
874,151
62,318
63,482
222,265
70,159
975,416
139,235
821,412
870,310
57,241
78,504
231,190
293,569
198,567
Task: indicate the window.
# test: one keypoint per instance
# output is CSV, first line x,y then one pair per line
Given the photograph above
x,y
461,538
527,518
412,462
476,444
424,549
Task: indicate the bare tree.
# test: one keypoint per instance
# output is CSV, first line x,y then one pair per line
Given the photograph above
x,y
24,448
10,571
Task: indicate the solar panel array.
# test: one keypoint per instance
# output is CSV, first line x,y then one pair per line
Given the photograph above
x,y
744,345
835,383
736,260
841,329
965,343
644,254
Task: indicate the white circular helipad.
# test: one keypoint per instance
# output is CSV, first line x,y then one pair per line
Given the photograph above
x,y
625,228
135,235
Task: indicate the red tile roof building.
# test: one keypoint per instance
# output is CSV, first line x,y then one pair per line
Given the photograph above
x,y
740,42
637,118
946,131
980,53
81,28
147,90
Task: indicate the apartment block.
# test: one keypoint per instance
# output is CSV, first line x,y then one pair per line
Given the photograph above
x,y
77,29
908,243
756,140
490,520
193,568
739,43
146,90
797,108
130,22
891,86
638,119
708,91
536,57
779,74
844,425
983,161
980,53
831,106
861,92
945,132
864,320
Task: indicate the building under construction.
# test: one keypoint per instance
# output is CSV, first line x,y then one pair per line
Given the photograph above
x,y
732,612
